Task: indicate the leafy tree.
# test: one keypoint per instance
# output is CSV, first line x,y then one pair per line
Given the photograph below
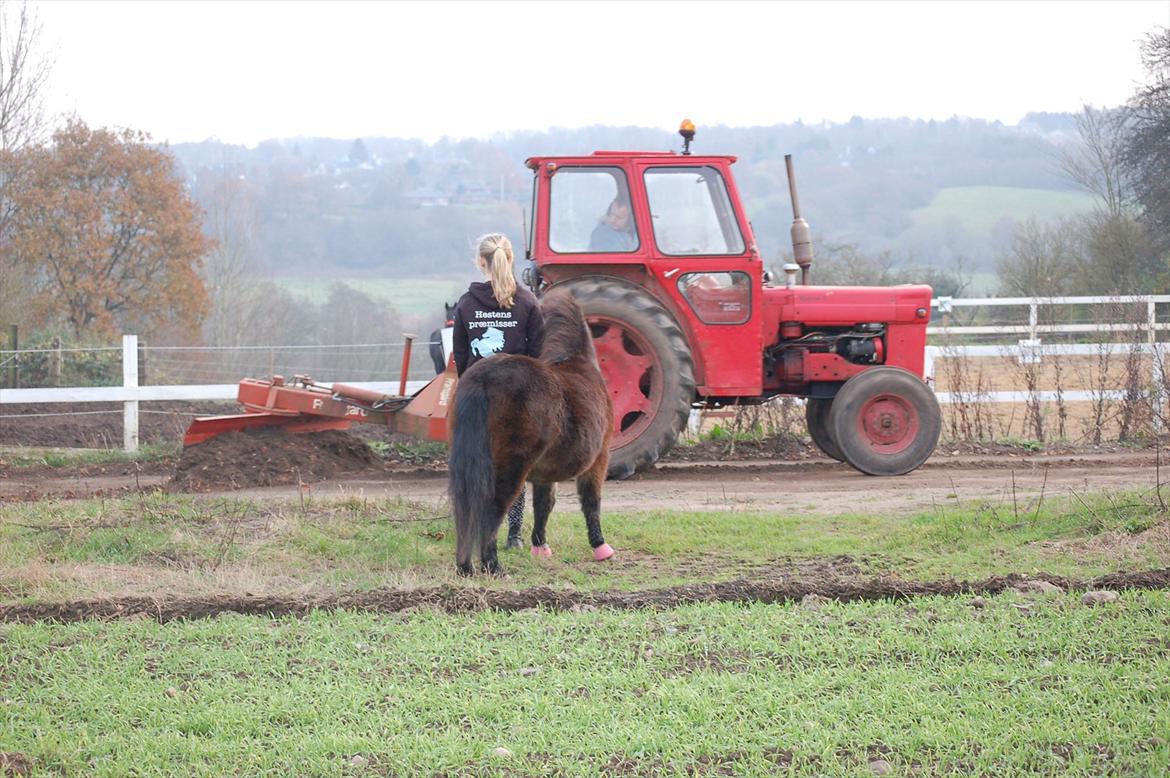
x,y
1146,152
109,235
358,152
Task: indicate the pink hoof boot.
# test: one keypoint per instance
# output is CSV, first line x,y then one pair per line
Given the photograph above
x,y
542,551
602,552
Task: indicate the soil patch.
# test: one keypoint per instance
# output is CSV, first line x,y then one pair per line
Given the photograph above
x,y
786,447
272,457
15,763
99,425
457,599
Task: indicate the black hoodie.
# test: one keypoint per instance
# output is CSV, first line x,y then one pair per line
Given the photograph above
x,y
482,328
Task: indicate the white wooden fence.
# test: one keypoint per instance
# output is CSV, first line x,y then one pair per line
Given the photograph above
x,y
130,393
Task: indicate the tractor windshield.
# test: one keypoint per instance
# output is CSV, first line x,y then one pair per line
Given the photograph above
x,y
691,211
590,212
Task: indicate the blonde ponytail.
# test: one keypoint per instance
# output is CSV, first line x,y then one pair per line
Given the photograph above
x,y
496,252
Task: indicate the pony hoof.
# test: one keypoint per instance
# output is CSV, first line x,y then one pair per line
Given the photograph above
x,y
542,551
602,552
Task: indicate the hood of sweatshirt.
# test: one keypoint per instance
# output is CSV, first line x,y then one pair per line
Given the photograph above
x,y
483,294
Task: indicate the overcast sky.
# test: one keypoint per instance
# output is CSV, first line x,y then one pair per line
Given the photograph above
x,y
243,72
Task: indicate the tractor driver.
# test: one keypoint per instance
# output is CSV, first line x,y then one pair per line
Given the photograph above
x,y
615,232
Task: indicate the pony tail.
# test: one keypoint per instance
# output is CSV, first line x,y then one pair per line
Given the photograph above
x,y
472,485
496,251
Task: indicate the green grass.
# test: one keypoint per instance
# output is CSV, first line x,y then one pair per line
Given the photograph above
x,y
409,297
178,543
977,209
26,456
933,686
411,451
1039,686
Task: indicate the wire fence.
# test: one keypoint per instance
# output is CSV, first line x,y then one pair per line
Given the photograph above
x,y
46,367
1046,368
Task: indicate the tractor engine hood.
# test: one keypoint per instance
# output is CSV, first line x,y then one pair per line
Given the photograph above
x,y
848,305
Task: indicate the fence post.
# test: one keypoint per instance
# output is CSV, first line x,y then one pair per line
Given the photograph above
x,y
13,381
55,363
928,356
130,381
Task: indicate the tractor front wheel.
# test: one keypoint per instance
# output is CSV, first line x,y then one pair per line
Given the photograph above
x,y
885,421
816,413
647,368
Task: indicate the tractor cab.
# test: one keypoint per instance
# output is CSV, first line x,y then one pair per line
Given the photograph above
x,y
669,224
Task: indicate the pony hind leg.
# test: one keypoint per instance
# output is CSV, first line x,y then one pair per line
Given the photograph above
x,y
509,486
589,491
544,497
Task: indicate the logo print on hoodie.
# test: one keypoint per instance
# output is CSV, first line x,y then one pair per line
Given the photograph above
x,y
491,342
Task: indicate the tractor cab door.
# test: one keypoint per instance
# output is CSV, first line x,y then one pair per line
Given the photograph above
x,y
701,252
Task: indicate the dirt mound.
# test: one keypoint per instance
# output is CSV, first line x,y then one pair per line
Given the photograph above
x,y
272,457
458,599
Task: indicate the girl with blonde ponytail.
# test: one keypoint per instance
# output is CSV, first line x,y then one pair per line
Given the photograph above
x,y
495,260
496,316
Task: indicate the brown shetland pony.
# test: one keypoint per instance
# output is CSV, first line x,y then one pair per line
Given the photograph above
x,y
520,419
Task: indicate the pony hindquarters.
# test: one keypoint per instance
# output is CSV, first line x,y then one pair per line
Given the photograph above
x,y
505,407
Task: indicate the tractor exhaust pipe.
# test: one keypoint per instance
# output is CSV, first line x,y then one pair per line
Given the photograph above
x,y
802,250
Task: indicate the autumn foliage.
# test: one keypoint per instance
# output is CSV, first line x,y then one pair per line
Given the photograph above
x,y
108,236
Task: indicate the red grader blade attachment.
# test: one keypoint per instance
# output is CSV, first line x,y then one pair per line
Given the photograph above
x,y
305,406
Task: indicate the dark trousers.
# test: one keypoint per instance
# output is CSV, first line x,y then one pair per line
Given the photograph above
x,y
516,516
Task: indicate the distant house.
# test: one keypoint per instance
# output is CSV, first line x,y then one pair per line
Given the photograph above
x,y
426,197
472,193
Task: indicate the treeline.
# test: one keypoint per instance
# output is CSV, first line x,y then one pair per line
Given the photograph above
x,y
388,206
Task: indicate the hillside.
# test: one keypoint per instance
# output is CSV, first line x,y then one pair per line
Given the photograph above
x,y
380,208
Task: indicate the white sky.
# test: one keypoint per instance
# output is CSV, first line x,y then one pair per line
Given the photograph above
x,y
246,71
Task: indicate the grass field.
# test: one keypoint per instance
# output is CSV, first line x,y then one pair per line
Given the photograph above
x,y
1005,685
934,687
977,209
165,545
410,297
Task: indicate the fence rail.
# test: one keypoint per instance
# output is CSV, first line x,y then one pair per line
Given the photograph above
x,y
130,393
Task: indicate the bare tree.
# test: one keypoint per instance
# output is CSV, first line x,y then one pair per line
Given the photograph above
x,y
1117,255
229,269
1146,153
1040,262
1094,161
23,75
24,71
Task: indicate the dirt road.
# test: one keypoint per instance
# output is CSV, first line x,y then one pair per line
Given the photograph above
x,y
821,487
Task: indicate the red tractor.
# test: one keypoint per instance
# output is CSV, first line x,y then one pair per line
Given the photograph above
x,y
658,250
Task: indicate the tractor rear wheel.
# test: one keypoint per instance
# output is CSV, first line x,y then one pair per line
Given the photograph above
x,y
816,413
885,421
647,367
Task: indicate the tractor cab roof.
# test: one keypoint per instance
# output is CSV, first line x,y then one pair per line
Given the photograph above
x,y
659,157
